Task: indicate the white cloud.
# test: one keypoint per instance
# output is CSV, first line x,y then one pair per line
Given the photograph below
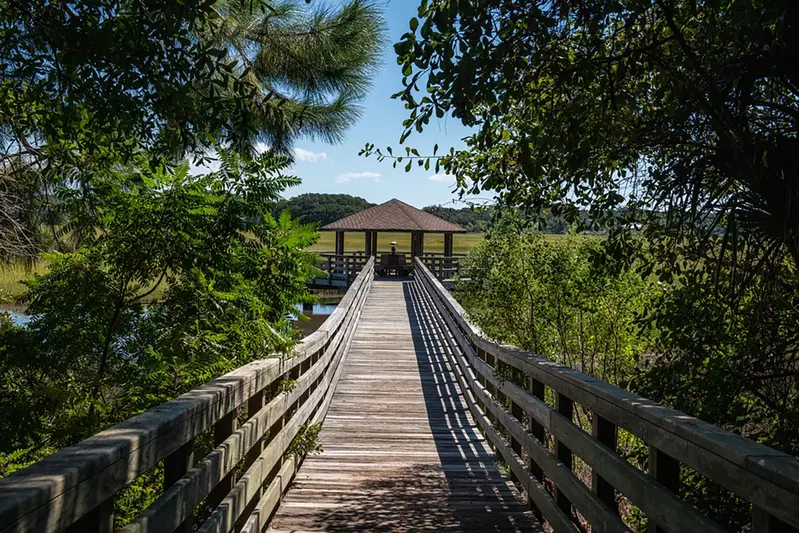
x,y
309,156
211,164
261,147
349,176
449,178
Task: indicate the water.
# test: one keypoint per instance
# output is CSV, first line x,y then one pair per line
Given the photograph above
x,y
322,309
17,315
318,309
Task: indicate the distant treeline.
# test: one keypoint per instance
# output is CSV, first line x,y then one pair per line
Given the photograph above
x,y
326,208
322,208
474,219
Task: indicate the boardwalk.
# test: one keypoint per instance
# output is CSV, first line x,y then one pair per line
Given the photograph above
x,y
410,393
401,451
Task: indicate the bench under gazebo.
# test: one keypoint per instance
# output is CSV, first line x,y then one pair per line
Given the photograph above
x,y
396,217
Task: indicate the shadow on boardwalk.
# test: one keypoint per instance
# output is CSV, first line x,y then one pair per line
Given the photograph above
x,y
413,460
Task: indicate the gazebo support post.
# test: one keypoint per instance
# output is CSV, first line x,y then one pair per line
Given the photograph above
x,y
417,244
374,243
339,243
367,243
448,244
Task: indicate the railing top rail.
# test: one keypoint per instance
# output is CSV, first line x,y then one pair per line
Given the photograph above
x,y
767,477
109,460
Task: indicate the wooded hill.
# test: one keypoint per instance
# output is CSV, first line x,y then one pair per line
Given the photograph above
x,y
326,208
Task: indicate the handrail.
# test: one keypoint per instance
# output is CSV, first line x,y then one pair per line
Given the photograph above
x,y
767,478
342,267
75,488
443,266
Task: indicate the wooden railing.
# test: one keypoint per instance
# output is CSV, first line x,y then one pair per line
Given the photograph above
x,y
240,480
341,270
516,419
443,266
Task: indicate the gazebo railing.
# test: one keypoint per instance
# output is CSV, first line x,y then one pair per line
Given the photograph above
x,y
341,268
442,266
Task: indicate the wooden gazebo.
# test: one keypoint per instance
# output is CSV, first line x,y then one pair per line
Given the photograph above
x,y
394,216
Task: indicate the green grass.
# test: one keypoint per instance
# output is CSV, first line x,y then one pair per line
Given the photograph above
x,y
11,276
433,242
12,286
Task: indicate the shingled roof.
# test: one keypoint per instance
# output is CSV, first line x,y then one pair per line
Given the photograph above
x,y
394,216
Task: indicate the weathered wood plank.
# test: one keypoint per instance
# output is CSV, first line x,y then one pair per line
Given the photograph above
x,y
401,449
600,517
766,477
59,490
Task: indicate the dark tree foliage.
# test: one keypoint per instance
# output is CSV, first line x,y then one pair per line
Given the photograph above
x,y
88,86
476,220
481,219
684,114
674,125
322,208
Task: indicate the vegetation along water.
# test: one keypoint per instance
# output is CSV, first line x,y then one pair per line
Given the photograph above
x,y
625,174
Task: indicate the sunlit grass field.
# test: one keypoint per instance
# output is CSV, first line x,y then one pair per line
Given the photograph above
x,y
11,276
433,242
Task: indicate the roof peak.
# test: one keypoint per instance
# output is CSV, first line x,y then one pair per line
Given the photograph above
x,y
394,215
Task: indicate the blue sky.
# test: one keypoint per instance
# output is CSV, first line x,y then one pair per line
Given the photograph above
x,y
328,168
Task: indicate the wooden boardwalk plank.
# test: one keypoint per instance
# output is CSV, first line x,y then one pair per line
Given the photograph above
x,y
401,451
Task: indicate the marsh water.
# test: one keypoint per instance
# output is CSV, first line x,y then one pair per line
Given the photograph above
x,y
316,314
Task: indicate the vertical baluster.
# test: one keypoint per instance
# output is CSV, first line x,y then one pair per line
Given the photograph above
x,y
222,430
491,361
176,465
480,355
98,520
537,430
255,404
519,414
605,432
666,470
763,522
564,406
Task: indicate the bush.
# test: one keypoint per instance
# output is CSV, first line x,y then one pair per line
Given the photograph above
x,y
552,298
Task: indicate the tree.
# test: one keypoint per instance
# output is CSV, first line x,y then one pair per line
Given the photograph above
x,y
322,208
87,87
683,114
185,277
308,69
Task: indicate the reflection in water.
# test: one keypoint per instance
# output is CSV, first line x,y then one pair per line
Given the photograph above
x,y
316,317
318,309
19,318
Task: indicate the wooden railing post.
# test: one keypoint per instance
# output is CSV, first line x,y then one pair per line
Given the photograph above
x,y
490,361
175,467
519,414
763,522
255,404
666,470
98,520
565,407
537,430
605,432
222,430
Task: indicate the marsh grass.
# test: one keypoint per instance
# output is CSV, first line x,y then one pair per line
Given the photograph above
x,y
433,242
